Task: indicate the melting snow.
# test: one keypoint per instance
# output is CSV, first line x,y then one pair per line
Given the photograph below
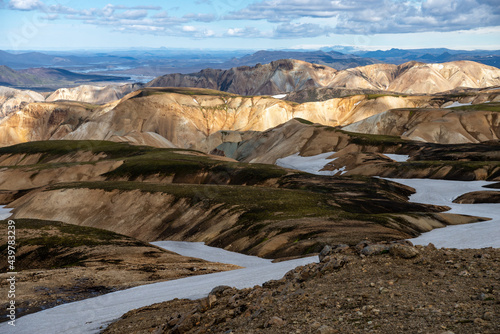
x,y
87,316
458,104
397,157
4,212
279,96
443,192
311,164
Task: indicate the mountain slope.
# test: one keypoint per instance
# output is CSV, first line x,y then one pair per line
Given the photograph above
x,y
286,75
198,118
12,100
157,194
466,124
93,94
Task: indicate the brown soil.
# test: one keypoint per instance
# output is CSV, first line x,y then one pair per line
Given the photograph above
x,y
51,275
398,291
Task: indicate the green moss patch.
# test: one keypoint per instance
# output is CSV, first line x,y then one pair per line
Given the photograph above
x,y
54,244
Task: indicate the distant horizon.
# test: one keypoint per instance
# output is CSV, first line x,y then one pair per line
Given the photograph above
x,y
135,49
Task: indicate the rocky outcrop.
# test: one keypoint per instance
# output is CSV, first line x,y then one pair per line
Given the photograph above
x,y
287,75
93,94
12,100
478,197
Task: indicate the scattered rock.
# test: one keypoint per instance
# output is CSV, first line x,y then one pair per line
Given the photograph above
x,y
403,251
375,249
326,330
275,322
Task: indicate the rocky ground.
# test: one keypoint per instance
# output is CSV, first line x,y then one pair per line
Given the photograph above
x,y
369,288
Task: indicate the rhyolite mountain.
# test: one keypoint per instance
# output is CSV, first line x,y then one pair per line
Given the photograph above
x,y
286,75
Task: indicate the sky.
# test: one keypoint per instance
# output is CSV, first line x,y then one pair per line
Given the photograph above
x,y
249,24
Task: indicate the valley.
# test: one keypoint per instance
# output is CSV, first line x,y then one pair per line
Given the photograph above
x,y
277,161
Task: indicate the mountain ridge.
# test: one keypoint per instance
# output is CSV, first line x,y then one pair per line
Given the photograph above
x,y
285,75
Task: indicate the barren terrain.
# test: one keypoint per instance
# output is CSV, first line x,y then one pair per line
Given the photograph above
x,y
352,290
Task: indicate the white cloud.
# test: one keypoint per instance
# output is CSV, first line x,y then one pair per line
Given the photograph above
x,y
133,14
375,17
25,4
188,28
200,17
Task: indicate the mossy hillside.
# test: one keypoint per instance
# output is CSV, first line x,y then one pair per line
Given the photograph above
x,y
364,139
143,161
51,149
184,91
376,96
181,163
54,244
492,106
258,205
455,170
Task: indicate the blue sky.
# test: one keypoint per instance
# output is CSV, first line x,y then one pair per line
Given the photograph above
x,y
249,24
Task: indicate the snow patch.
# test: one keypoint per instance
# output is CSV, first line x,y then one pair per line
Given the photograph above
x,y
443,192
312,164
458,104
4,212
398,157
279,96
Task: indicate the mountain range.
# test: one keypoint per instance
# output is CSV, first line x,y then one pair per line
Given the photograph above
x,y
48,78
286,75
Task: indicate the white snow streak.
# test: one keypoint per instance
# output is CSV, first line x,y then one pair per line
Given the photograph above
x,y
397,157
458,104
311,164
279,96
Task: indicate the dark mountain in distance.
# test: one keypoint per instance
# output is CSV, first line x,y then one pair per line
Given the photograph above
x,y
441,55
38,59
337,60
48,78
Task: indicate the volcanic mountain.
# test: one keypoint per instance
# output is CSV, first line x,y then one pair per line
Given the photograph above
x,y
286,75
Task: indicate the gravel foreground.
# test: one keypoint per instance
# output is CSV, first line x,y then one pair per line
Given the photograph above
x,y
369,288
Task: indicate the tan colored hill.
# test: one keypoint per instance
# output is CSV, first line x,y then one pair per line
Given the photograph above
x,y
465,124
193,118
12,100
287,75
93,94
274,78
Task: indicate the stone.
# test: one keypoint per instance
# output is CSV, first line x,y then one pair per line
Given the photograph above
x,y
219,290
403,251
375,249
326,330
275,322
